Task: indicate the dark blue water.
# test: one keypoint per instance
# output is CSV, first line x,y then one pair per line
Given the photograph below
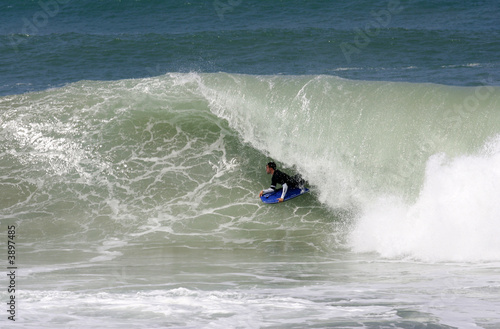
x,y
50,43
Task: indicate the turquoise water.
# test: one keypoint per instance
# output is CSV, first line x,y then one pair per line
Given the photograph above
x,y
133,147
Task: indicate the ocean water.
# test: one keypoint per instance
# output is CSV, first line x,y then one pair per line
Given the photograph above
x,y
134,138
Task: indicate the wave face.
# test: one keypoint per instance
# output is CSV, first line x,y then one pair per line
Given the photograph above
x,y
409,170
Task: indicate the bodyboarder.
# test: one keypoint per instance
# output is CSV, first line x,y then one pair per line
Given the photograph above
x,y
279,177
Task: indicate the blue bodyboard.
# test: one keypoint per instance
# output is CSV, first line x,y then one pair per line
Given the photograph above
x,y
290,194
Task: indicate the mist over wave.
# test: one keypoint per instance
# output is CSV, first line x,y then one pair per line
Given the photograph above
x,y
183,155
418,161
455,217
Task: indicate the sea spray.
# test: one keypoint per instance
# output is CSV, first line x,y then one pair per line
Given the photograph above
x,y
456,216
387,150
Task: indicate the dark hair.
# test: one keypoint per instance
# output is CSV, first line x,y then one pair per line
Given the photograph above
x,y
272,165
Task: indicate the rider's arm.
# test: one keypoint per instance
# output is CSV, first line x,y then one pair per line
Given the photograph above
x,y
285,188
268,190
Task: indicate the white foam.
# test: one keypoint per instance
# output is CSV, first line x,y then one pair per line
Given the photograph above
x,y
185,308
456,217
105,252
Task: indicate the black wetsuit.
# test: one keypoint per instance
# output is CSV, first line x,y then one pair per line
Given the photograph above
x,y
281,178
286,181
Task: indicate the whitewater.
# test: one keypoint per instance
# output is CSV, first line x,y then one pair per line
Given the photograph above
x,y
135,203
421,156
